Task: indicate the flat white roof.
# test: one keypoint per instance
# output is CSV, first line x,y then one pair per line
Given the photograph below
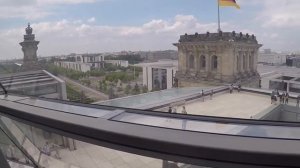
x,y
160,63
236,105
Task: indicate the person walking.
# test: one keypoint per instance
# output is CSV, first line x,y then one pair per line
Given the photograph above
x,y
281,98
46,149
202,95
230,88
286,98
298,99
183,111
271,99
170,109
174,110
211,94
56,148
239,87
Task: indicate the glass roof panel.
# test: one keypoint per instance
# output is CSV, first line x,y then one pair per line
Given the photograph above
x,y
153,99
86,111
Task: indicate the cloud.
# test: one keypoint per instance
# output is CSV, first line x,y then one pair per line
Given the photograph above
x,y
26,12
17,2
91,20
275,22
52,2
32,9
279,13
68,36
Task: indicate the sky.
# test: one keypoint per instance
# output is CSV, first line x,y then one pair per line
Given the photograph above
x,y
92,26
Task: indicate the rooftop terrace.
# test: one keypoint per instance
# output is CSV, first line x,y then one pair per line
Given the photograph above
x,y
237,105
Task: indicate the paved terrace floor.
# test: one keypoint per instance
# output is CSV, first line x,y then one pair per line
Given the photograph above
x,y
236,105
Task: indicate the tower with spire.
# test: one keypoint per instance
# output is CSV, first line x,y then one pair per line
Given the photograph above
x,y
29,48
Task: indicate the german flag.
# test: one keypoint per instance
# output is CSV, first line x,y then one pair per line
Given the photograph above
x,y
229,3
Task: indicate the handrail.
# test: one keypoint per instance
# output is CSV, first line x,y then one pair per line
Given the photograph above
x,y
200,148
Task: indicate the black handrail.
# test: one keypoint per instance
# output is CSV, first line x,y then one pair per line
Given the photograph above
x,y
162,143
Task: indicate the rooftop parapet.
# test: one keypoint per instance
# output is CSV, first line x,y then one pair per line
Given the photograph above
x,y
221,36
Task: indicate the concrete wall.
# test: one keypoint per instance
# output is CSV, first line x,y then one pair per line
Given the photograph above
x,y
285,113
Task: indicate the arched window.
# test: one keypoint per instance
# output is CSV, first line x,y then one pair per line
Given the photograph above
x,y
202,61
192,62
214,62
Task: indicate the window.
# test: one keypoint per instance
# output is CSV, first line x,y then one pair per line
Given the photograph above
x,y
214,62
192,62
203,62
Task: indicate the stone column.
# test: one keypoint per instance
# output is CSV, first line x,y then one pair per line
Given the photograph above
x,y
186,60
242,62
198,63
247,61
235,63
238,66
255,55
219,64
196,59
182,60
246,57
254,61
208,63
251,61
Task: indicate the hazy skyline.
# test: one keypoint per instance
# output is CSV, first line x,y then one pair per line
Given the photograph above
x,y
80,26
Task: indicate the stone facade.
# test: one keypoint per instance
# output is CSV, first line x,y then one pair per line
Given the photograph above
x,y
29,48
215,58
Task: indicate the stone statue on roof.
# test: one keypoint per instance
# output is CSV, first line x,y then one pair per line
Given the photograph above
x,y
29,48
28,29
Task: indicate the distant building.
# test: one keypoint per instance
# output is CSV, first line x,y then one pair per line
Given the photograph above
x,y
82,63
267,51
121,63
272,58
87,62
293,60
77,66
153,56
215,58
286,83
159,75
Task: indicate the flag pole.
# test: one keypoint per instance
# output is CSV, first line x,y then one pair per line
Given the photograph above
x,y
219,26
